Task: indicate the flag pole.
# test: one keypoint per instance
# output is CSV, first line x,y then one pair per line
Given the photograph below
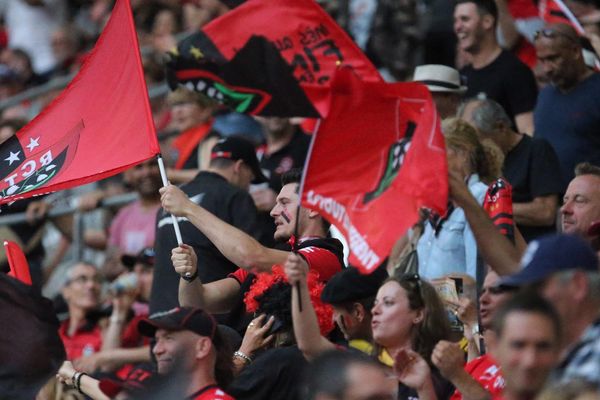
x,y
165,182
300,191
295,248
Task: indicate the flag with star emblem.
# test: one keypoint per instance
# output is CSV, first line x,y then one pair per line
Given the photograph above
x,y
309,41
100,125
369,175
236,83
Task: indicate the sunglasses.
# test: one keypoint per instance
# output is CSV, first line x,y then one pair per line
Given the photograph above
x,y
414,281
553,34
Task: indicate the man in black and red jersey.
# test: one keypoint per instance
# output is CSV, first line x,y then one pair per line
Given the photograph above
x,y
318,252
189,342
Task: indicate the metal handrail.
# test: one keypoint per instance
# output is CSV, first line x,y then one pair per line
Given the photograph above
x,y
62,81
113,201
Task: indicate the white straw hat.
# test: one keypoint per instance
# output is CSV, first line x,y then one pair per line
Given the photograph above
x,y
439,78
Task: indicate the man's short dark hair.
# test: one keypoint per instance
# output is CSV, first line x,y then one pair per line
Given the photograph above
x,y
527,301
294,175
484,7
328,373
586,168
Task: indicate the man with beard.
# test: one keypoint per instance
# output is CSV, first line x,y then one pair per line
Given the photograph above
x,y
314,249
220,190
133,227
567,113
285,148
495,72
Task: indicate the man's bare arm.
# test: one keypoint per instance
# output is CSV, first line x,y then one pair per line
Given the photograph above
x,y
541,211
306,325
495,248
215,297
239,247
524,122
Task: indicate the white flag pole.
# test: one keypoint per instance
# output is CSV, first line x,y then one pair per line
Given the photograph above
x,y
165,182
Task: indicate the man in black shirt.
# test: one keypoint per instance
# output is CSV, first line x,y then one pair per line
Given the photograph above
x,y
495,72
531,166
222,189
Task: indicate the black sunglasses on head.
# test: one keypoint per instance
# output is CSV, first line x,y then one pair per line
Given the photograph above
x,y
553,34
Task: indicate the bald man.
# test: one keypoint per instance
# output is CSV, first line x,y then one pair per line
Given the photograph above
x,y
567,113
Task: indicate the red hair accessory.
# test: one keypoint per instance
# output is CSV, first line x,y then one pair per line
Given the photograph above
x,y
264,281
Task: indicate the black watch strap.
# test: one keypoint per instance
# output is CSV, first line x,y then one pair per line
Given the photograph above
x,y
190,278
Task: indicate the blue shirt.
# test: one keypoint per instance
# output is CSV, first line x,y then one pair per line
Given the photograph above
x,y
453,250
571,123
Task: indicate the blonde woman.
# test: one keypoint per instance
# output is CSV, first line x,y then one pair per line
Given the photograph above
x,y
447,245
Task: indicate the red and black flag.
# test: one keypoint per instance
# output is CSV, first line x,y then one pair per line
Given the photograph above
x,y
31,351
257,80
369,175
556,11
100,125
304,35
498,204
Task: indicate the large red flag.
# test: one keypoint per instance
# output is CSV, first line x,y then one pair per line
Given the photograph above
x,y
377,157
305,35
100,125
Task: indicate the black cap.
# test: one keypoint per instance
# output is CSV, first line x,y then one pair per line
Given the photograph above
x,y
145,256
179,319
350,285
236,148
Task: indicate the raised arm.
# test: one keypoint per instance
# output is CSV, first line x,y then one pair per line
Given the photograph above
x,y
306,326
239,247
496,250
449,359
215,297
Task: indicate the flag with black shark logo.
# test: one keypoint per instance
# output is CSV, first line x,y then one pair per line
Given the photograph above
x,y
100,125
395,159
256,81
310,42
375,160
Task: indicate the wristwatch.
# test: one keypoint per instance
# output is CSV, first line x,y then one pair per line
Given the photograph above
x,y
189,278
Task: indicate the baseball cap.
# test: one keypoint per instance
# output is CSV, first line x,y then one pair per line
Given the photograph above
x,y
179,319
350,285
551,254
235,148
145,256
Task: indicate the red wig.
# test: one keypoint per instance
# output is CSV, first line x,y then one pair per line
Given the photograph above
x,y
264,281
